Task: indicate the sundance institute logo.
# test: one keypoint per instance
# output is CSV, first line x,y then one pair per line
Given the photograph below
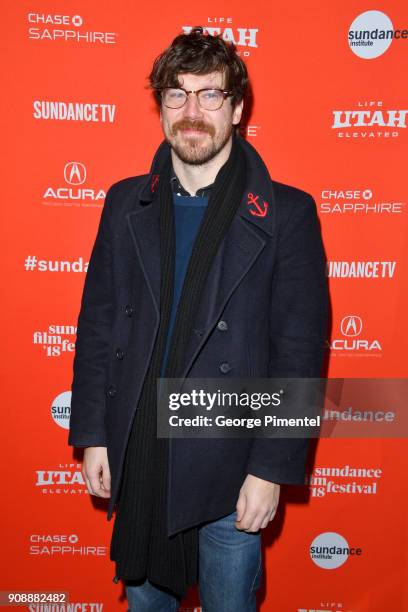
x,y
330,550
371,34
61,409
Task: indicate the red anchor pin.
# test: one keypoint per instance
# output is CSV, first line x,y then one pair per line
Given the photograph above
x,y
258,210
154,183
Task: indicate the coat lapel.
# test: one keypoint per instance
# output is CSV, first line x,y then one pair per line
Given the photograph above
x,y
145,231
144,225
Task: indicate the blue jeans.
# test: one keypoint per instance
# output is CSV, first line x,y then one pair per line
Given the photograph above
x,y
229,568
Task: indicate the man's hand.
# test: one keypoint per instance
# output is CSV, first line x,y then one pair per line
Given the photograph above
x,y
257,503
95,470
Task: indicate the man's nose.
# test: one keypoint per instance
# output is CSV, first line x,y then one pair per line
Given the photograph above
x,y
192,109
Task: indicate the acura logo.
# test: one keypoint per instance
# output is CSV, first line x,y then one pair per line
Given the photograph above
x,y
75,173
351,325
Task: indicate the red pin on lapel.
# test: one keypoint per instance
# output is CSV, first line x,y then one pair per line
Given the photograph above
x,y
258,210
154,183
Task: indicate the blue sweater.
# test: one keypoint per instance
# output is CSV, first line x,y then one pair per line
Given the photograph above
x,y
188,214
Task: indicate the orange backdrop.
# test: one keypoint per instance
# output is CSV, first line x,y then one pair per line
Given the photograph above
x,y
324,119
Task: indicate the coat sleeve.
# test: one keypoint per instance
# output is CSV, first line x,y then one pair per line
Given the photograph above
x,y
298,327
87,427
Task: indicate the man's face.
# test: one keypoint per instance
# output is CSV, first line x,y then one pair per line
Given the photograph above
x,y
197,135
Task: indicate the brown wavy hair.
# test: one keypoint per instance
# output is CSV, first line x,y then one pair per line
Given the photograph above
x,y
200,53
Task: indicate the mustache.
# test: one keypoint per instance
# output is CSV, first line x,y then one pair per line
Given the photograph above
x,y
199,125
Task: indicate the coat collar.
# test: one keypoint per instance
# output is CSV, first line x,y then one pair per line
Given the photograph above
x,y
258,199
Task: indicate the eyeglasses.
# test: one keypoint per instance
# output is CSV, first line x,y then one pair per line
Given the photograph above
x,y
208,99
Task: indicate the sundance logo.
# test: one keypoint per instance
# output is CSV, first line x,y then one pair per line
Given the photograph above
x,y
344,480
360,269
32,264
330,550
87,112
56,340
61,409
371,34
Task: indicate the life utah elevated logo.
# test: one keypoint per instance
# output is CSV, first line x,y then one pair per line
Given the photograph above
x,y
245,38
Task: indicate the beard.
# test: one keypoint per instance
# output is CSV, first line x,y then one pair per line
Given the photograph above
x,y
190,149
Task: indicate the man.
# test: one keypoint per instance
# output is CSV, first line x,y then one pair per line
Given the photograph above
x,y
203,268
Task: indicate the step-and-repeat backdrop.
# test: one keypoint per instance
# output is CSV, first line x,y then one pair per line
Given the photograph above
x,y
330,116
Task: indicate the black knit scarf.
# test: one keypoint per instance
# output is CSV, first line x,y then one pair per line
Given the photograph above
x,y
140,545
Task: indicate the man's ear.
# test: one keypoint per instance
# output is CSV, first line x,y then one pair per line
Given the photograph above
x,y
237,113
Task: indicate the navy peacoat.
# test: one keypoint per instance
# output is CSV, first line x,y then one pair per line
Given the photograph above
x,y
263,314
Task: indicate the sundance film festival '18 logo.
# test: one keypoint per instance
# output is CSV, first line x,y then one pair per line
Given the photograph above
x,y
65,28
371,34
56,340
245,38
75,192
344,480
353,342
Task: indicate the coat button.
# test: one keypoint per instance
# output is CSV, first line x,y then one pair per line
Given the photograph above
x,y
222,325
225,367
129,310
112,391
119,354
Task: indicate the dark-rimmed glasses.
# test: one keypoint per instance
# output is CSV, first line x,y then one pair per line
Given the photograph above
x,y
208,99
